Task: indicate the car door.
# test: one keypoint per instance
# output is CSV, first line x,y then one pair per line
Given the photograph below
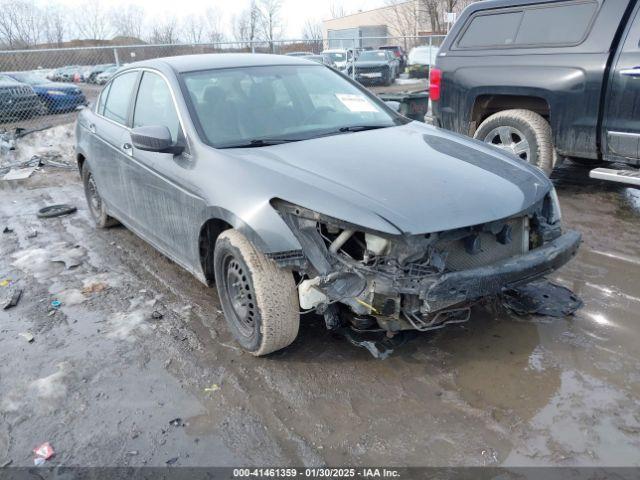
x,y
110,130
165,212
622,111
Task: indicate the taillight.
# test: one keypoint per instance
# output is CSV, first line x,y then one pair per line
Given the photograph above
x,y
435,81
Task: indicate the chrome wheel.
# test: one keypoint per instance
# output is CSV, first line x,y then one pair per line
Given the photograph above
x,y
511,140
240,295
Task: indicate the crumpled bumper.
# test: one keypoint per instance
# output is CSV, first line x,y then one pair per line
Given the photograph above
x,y
468,285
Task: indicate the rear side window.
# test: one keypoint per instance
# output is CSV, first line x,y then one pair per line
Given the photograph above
x,y
490,30
116,106
548,25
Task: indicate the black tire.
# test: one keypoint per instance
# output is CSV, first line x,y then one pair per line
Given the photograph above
x,y
97,208
533,129
259,300
56,211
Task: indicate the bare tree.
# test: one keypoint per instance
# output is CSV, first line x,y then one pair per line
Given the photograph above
x,y
54,24
245,26
213,29
128,21
336,9
402,17
270,21
434,11
312,33
92,21
193,29
20,23
165,32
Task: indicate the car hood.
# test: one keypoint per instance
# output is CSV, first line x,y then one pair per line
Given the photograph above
x,y
371,63
417,178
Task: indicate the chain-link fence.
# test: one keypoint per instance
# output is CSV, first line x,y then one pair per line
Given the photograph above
x,y
46,87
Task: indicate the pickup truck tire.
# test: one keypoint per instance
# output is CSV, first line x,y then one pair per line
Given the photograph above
x,y
534,129
97,208
259,299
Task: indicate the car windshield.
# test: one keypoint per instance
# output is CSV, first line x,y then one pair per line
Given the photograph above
x,y
372,55
337,56
29,78
252,106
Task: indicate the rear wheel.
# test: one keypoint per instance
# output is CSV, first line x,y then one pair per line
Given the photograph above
x,y
259,300
97,208
523,133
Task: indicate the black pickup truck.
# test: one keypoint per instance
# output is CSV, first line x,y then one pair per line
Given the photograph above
x,y
545,80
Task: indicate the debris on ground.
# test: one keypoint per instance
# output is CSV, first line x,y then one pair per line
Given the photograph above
x,y
95,287
6,464
7,230
43,453
32,234
132,453
213,388
27,336
171,461
56,304
13,299
377,343
176,422
71,257
4,283
19,173
56,210
156,315
541,297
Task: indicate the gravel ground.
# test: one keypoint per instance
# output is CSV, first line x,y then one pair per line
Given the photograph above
x,y
104,376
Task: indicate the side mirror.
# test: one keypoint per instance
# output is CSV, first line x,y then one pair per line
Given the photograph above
x,y
155,139
393,104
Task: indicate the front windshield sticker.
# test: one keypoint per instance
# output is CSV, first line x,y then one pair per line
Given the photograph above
x,y
356,103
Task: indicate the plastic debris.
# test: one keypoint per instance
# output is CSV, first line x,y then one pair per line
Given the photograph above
x,y
32,234
6,464
213,388
176,422
7,230
171,461
19,173
56,304
4,283
156,315
43,453
542,298
14,298
27,336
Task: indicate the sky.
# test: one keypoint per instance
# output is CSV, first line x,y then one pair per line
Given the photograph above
x,y
295,12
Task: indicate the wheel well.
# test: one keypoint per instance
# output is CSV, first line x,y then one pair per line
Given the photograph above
x,y
81,160
209,233
486,105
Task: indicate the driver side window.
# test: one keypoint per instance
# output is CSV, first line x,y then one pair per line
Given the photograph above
x,y
154,105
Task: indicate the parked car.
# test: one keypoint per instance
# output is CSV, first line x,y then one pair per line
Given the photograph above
x,y
323,59
93,72
17,100
64,74
420,60
343,58
376,67
544,80
55,97
344,207
104,77
399,53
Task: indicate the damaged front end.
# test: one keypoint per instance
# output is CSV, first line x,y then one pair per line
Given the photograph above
x,y
395,283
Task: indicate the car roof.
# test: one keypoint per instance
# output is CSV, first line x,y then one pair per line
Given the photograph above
x,y
489,4
190,63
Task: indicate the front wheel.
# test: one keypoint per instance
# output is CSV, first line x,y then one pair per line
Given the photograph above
x,y
259,300
523,133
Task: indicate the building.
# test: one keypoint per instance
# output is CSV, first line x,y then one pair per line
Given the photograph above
x,y
403,19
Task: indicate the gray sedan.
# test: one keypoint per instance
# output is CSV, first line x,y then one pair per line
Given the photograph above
x,y
292,188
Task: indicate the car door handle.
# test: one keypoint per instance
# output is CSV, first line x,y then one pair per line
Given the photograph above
x,y
631,72
127,148
92,127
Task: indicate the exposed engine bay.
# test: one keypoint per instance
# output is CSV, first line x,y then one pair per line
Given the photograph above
x,y
374,282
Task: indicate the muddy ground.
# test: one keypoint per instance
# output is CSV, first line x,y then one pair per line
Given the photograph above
x,y
105,376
